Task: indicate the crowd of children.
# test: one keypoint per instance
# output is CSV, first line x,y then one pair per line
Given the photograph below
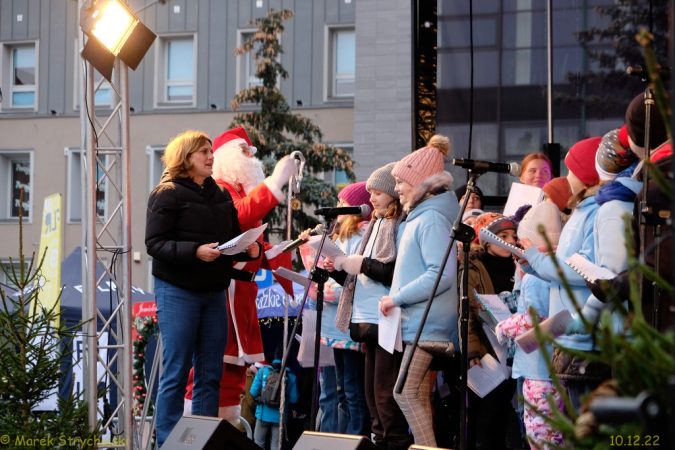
x,y
394,258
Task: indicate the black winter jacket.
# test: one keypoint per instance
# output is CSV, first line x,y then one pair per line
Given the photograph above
x,y
181,216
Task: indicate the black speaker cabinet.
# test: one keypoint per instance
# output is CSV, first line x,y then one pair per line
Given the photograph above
x,y
207,433
422,447
329,441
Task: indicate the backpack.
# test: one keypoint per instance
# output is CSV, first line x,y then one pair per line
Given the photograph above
x,y
266,397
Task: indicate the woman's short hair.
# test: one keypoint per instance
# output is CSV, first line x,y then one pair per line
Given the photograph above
x,y
531,157
177,153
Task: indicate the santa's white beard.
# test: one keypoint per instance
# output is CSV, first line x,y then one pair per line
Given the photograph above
x,y
233,167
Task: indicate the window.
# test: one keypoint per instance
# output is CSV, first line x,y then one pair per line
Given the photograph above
x,y
246,63
19,64
176,84
15,173
103,96
75,187
156,165
341,68
339,177
8,279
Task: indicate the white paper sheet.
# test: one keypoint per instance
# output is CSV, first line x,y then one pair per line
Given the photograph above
x,y
329,248
276,250
239,244
501,350
522,194
483,380
493,239
389,330
554,325
293,276
494,306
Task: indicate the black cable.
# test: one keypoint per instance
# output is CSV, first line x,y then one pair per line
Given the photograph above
x,y
86,105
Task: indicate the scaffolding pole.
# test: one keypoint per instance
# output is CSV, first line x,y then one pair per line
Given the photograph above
x,y
106,240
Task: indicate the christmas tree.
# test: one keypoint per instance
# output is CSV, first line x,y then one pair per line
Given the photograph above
x,y
276,131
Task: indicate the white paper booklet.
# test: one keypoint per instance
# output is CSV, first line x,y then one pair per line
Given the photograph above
x,y
489,236
389,330
239,244
483,380
591,272
554,325
276,250
294,277
329,248
522,194
494,306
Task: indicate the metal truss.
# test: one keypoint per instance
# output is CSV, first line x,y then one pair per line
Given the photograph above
x,y
106,241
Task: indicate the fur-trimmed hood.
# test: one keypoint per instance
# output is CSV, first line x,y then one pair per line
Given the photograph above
x,y
432,186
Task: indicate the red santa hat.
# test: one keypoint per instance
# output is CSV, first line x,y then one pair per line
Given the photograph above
x,y
233,137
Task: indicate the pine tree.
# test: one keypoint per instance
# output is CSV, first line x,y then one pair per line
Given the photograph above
x,y
32,350
608,88
276,131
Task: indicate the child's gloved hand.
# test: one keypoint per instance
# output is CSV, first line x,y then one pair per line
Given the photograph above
x,y
350,264
576,326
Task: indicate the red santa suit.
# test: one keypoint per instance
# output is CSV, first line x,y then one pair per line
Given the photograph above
x,y
244,342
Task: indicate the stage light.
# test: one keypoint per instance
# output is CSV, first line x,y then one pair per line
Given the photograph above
x,y
114,32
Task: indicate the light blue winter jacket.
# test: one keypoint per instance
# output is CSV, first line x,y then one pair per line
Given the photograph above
x,y
534,292
420,253
576,237
328,330
264,412
368,292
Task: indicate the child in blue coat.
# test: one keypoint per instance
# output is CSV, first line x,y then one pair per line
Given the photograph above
x,y
268,417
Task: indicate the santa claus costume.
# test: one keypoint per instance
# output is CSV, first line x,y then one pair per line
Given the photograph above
x,y
237,170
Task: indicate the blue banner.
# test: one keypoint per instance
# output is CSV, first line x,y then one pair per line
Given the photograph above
x,y
270,301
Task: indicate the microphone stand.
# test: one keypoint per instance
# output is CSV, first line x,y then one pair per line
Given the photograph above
x,y
318,276
465,234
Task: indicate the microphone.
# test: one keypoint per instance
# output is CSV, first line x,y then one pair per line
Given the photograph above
x,y
512,169
639,71
298,242
362,210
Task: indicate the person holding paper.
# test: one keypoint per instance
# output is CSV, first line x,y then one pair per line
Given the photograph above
x,y
577,237
424,191
343,397
535,170
531,370
366,276
239,172
491,271
188,216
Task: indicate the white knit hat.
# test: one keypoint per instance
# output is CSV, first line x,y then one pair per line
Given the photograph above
x,y
546,214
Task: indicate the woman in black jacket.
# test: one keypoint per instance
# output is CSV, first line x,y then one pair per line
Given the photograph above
x,y
188,216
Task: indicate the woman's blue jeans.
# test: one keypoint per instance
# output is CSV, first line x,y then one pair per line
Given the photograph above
x,y
193,326
350,368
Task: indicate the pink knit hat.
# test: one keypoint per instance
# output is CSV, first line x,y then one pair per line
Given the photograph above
x,y
356,195
580,160
423,163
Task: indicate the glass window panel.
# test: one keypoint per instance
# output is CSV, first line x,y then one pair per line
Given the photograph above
x,y
458,75
102,97
455,32
24,57
24,76
179,93
344,87
23,98
20,176
345,50
180,64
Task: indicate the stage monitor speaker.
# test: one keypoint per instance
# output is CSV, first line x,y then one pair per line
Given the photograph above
x,y
422,447
206,433
329,441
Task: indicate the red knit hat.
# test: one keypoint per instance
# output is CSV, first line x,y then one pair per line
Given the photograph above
x,y
580,160
423,163
235,136
623,137
356,195
559,191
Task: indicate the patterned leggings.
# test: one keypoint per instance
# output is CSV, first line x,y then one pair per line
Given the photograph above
x,y
414,400
536,404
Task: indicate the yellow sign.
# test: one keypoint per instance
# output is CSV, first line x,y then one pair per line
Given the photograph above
x,y
50,242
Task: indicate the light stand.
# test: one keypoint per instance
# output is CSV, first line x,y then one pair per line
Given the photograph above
x,y
318,276
465,234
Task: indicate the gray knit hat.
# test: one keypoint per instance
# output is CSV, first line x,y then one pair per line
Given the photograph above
x,y
383,180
